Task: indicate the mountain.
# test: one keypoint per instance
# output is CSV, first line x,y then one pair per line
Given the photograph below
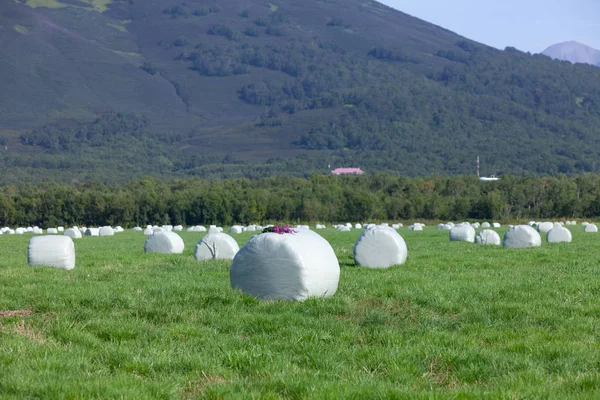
x,y
573,52
112,90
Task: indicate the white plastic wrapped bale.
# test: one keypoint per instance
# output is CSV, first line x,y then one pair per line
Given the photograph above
x,y
250,228
496,225
119,229
138,229
349,225
72,233
29,229
344,228
531,223
220,228
200,228
164,242
590,228
585,223
486,225
61,229
167,228
462,233
38,231
148,232
452,224
319,226
92,232
381,247
416,228
106,231
178,228
358,226
289,266
521,236
216,246
559,235
52,231
545,227
20,231
51,251
213,230
236,229
475,225
488,236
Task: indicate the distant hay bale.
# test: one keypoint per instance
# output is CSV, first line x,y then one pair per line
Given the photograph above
x,y
486,225
358,226
496,225
52,231
488,236
106,231
51,251
92,232
344,228
522,236
138,229
289,266
72,233
590,228
380,247
165,243
462,233
236,229
216,246
178,228
545,227
148,232
558,234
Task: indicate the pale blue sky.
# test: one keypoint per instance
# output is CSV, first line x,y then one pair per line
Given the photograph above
x,y
530,25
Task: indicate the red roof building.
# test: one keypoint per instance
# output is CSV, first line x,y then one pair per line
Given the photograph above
x,y
345,171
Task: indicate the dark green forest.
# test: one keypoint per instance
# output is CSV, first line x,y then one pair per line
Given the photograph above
x,y
318,198
247,88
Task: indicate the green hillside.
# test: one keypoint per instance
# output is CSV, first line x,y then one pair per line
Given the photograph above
x,y
113,90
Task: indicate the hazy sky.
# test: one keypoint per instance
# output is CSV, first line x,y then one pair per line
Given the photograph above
x,y
530,25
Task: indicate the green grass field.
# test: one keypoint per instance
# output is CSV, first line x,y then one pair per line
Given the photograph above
x,y
456,321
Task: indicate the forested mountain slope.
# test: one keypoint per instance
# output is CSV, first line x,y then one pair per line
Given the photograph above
x,y
112,90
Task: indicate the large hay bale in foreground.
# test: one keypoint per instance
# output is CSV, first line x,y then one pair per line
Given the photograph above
x,y
590,228
380,247
165,243
216,245
522,236
72,233
462,233
51,251
558,234
488,236
288,266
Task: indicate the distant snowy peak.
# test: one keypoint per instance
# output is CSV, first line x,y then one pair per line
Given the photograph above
x,y
574,52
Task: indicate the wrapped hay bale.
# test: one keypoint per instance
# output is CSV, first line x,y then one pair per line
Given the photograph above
x,y
522,236
496,225
462,233
51,251
92,232
590,228
137,229
178,228
73,233
545,227
236,229
358,226
292,266
216,246
165,243
485,225
20,231
416,228
380,247
61,229
38,231
559,234
148,232
344,228
106,231
119,229
488,236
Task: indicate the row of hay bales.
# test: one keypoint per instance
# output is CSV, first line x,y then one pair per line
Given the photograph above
x,y
520,236
291,266
106,231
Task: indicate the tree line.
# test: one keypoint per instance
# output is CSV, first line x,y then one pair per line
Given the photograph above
x,y
317,198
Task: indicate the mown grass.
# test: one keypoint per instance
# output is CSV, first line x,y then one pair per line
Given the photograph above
x,y
457,320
